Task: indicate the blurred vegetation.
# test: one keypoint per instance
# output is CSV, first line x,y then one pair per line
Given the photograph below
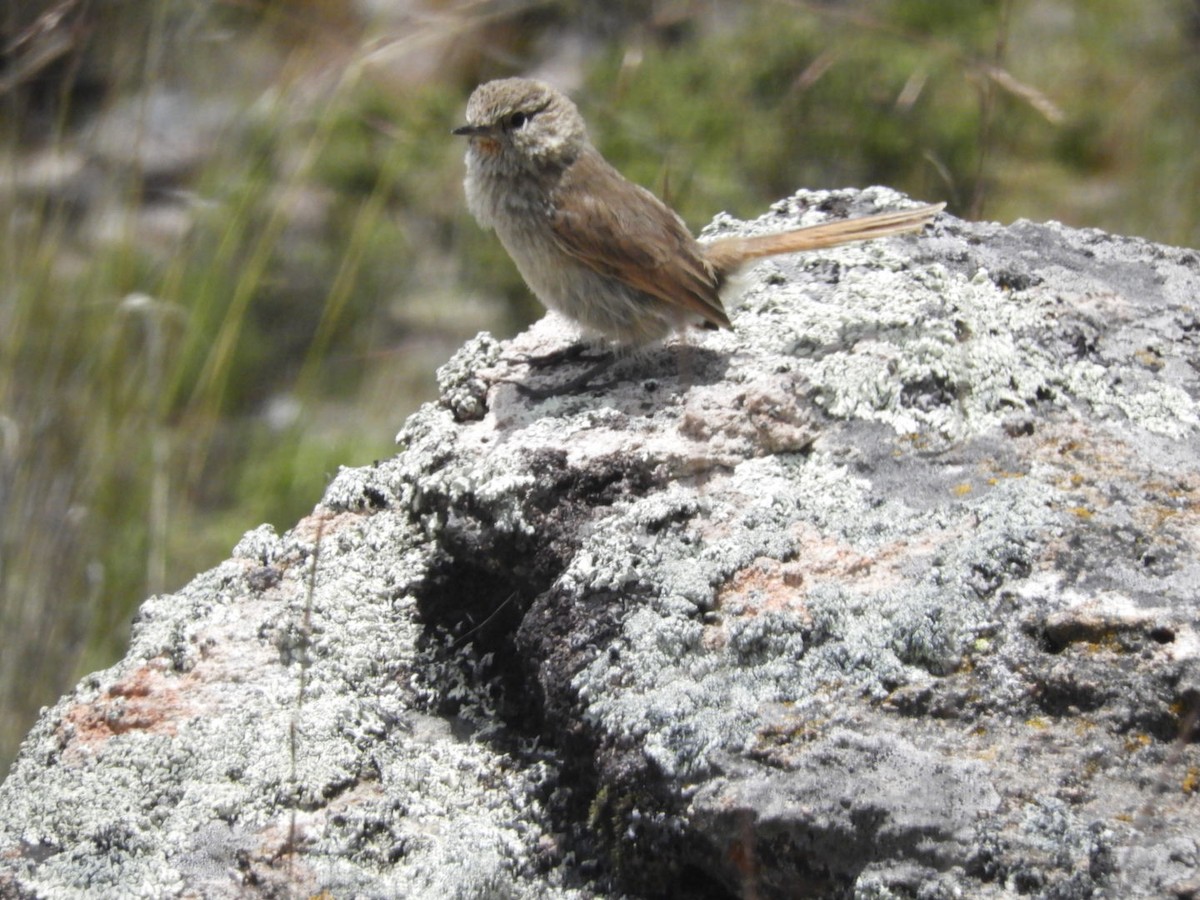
x,y
235,248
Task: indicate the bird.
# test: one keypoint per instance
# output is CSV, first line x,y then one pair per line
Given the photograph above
x,y
596,247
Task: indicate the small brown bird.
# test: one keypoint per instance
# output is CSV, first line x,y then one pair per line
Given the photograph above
x,y
597,248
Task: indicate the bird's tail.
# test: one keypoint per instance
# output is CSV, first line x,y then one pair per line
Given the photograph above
x,y
728,254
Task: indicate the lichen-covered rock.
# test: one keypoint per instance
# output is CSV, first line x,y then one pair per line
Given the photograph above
x,y
891,592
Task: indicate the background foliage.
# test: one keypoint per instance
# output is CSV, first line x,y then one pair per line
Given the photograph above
x,y
235,248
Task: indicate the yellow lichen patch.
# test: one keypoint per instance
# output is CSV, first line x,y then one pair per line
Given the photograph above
x,y
994,480
1191,780
1137,741
1108,642
996,474
1149,357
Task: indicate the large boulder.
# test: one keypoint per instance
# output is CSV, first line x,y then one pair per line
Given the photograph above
x,y
893,591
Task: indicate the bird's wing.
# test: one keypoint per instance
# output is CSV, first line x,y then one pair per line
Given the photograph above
x,y
623,231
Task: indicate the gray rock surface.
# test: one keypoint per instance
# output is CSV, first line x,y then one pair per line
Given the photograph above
x,y
893,592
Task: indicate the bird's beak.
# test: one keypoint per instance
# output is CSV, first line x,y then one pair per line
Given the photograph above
x,y
482,137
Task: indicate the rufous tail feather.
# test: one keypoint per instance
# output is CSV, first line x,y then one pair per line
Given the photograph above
x,y
727,254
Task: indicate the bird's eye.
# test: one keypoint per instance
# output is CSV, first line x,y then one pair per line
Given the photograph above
x,y
517,119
